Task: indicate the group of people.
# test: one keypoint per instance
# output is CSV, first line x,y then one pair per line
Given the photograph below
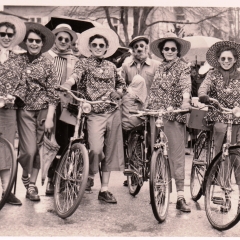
x,y
49,61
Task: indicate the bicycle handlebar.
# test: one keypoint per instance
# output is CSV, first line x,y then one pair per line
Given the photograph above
x,y
63,89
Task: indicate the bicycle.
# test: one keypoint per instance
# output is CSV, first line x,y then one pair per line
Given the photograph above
x,y
72,172
220,187
9,150
142,167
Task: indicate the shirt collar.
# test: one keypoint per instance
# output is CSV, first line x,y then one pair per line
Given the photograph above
x,y
148,62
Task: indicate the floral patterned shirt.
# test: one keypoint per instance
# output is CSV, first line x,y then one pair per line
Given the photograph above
x,y
10,77
97,78
40,79
214,86
172,79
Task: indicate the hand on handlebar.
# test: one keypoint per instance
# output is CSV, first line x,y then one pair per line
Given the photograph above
x,y
204,99
185,105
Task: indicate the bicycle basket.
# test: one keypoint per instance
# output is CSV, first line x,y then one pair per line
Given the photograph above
x,y
197,120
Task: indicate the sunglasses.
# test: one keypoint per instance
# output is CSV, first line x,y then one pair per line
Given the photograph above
x,y
140,45
3,34
94,45
228,58
67,40
173,49
31,40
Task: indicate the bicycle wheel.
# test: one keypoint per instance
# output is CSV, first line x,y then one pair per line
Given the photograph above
x,y
71,180
199,164
9,152
135,150
160,182
222,191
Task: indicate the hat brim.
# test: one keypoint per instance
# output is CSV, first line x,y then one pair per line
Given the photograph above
x,y
211,55
49,36
185,46
137,39
69,31
108,33
20,28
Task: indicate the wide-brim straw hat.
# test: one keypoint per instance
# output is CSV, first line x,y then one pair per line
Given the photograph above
x,y
49,36
109,34
137,39
211,55
19,25
65,28
185,45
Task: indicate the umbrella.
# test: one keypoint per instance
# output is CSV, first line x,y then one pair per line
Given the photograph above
x,y
199,47
47,151
77,25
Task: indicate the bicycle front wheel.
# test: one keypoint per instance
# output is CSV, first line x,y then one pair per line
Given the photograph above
x,y
222,191
199,164
11,156
160,182
71,180
135,151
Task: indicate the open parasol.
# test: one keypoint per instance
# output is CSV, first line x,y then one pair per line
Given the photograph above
x,y
77,25
199,47
47,151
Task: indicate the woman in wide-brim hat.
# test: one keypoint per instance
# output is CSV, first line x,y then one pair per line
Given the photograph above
x,y
223,84
97,78
36,117
12,32
171,87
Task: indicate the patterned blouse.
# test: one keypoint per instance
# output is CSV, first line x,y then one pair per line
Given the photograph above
x,y
228,97
171,81
40,78
10,77
97,78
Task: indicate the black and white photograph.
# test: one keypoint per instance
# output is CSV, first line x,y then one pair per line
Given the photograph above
x,y
119,121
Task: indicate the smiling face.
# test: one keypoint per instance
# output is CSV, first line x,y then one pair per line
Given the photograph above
x,y
34,43
170,50
226,60
140,50
98,47
63,41
6,36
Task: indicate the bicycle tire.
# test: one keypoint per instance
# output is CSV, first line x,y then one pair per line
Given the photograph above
x,y
160,185
13,170
135,150
71,180
199,164
222,193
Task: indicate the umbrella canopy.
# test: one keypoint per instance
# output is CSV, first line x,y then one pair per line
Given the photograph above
x,y
199,47
47,151
77,25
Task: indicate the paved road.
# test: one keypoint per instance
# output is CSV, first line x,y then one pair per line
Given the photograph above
x,y
131,217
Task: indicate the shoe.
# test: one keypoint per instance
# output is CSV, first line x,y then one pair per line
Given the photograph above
x,y
50,189
90,183
226,206
13,200
32,194
182,206
107,197
125,183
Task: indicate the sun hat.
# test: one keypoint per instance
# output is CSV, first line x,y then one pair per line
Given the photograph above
x,y
65,28
19,25
185,45
211,55
108,33
138,38
49,36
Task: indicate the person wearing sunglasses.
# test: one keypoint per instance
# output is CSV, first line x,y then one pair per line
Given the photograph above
x,y
141,67
223,84
97,78
12,32
63,59
36,117
171,87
